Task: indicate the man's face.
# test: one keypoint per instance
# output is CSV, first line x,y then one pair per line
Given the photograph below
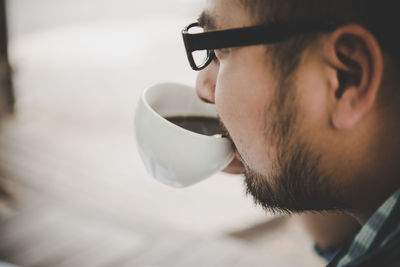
x,y
263,116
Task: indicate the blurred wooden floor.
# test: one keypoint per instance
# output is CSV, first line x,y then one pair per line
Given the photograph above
x,y
59,220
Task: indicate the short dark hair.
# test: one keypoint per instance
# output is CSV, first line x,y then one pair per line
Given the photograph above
x,y
379,17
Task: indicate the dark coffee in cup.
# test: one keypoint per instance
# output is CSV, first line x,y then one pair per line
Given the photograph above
x,y
198,124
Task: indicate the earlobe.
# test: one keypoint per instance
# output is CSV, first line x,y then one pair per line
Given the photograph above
x,y
357,58
347,113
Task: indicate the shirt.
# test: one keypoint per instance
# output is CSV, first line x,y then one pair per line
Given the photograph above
x,y
376,234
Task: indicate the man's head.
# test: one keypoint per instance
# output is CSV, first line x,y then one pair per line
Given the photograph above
x,y
304,114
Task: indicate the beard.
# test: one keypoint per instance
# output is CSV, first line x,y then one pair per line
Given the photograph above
x,y
296,181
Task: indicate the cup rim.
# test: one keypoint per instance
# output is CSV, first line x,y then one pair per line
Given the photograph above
x,y
167,122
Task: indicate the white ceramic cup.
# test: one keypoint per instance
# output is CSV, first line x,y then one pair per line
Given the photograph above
x,y
173,155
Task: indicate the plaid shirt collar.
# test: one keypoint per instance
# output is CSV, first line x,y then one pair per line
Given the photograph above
x,y
375,233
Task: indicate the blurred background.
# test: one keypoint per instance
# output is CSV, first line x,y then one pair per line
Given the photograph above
x,y
76,192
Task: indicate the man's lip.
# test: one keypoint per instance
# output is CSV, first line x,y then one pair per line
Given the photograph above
x,y
235,150
236,166
237,154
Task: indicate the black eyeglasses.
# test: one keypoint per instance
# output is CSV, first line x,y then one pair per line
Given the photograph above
x,y
200,45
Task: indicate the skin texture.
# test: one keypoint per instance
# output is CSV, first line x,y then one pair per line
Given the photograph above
x,y
321,148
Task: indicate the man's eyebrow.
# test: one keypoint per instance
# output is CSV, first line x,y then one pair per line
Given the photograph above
x,y
206,21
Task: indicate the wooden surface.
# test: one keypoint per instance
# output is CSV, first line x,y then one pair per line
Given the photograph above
x,y
68,214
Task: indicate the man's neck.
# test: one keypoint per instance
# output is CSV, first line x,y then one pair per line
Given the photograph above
x,y
369,203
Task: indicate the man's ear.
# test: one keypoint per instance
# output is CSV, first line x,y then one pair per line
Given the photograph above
x,y
357,58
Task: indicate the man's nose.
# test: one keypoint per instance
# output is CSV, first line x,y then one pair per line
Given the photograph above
x,y
205,83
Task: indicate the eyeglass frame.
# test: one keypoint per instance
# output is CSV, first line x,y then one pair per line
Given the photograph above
x,y
246,36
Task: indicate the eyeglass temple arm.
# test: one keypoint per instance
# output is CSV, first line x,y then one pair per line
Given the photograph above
x,y
254,35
